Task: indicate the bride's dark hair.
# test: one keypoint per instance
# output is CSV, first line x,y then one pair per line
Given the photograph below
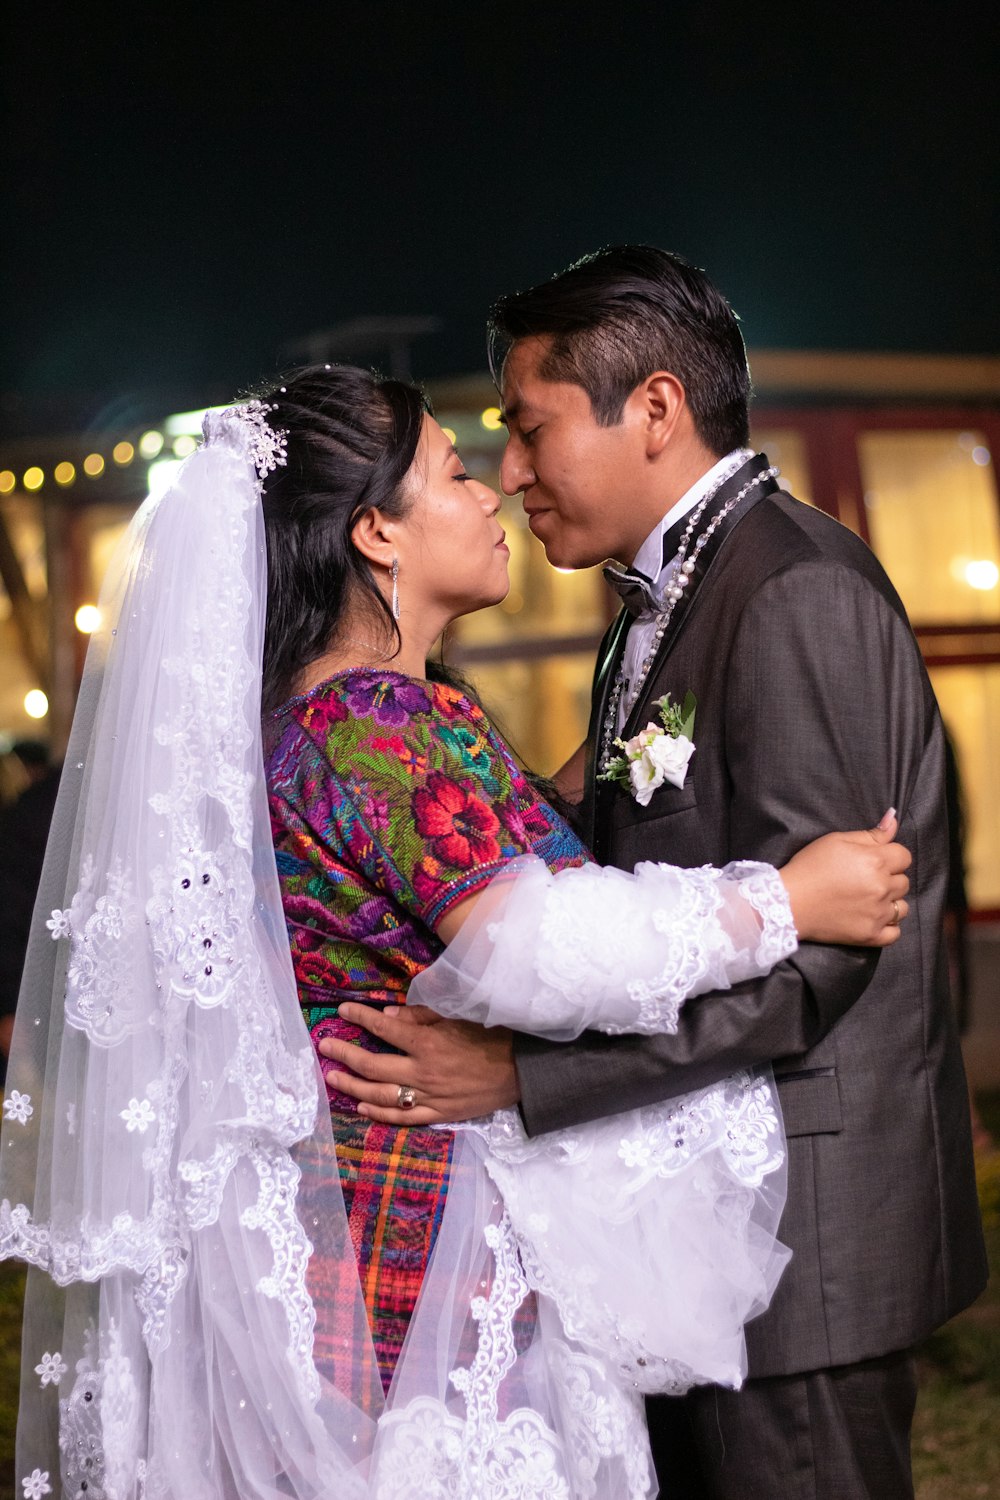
x,y
352,437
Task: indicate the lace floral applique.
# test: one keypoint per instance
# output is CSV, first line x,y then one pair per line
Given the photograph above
x,y
138,1115
36,1484
18,1106
426,1449
102,987
51,1368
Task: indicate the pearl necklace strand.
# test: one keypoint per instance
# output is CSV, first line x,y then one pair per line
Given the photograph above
x,y
682,568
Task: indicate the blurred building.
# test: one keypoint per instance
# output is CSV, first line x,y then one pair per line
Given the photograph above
x,y
900,448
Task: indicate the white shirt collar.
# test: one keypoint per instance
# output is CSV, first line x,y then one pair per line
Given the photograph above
x,y
649,558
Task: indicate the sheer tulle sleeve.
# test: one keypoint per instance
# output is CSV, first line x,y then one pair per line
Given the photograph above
x,y
653,1232
557,953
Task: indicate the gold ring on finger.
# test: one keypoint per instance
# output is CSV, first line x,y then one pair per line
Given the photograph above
x,y
406,1097
895,914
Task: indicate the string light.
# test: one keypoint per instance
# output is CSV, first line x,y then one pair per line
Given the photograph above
x,y
87,619
93,465
64,474
8,481
151,444
492,418
185,444
123,453
36,705
34,478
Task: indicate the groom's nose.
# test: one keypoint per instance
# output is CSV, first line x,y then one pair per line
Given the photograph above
x,y
515,471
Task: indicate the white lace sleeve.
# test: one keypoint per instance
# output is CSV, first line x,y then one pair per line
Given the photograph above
x,y
594,947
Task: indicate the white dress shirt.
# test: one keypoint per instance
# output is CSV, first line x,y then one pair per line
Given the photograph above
x,y
649,560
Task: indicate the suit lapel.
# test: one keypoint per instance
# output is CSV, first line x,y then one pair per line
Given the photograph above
x,y
686,604
612,649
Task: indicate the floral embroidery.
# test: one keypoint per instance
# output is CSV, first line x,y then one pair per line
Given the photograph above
x,y
18,1106
361,883
460,825
389,702
138,1116
51,1368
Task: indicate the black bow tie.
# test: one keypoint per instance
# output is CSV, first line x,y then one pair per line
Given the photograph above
x,y
633,588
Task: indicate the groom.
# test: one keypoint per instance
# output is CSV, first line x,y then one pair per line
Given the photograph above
x,y
625,391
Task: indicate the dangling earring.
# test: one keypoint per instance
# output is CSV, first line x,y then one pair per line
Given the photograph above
x,y
395,588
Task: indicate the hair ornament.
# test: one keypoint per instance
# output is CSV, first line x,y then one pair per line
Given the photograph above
x,y
267,447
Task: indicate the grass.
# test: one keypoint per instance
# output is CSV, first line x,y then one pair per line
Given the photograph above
x,y
956,1454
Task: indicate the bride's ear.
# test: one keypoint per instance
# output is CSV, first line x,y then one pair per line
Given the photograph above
x,y
374,535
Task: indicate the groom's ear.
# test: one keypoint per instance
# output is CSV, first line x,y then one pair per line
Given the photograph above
x,y
660,405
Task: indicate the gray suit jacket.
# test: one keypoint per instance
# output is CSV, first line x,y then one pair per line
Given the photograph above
x,y
814,712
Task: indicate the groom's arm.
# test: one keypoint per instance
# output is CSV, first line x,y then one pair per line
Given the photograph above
x,y
825,725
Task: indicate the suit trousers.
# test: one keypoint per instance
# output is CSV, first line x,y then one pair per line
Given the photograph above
x,y
838,1434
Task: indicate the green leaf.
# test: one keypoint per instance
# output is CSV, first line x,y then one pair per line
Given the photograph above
x,y
687,715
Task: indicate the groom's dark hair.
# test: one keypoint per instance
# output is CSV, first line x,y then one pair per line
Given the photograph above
x,y
617,316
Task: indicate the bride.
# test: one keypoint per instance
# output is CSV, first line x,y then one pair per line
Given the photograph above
x,y
235,1292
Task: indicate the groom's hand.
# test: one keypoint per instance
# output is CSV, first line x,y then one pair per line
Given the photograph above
x,y
456,1070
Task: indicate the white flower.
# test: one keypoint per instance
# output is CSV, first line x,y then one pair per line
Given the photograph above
x,y
634,1153
37,1484
18,1106
656,757
51,1369
59,923
138,1116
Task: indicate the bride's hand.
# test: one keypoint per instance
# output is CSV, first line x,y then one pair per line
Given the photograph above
x,y
850,887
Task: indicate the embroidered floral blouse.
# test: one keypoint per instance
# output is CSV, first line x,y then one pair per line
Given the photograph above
x,y
391,800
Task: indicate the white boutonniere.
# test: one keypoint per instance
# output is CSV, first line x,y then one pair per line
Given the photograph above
x,y
658,753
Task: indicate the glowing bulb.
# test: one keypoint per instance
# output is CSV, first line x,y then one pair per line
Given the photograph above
x,y
64,473
449,433
982,574
93,465
87,619
150,444
160,475
185,444
123,453
33,479
492,418
7,482
36,705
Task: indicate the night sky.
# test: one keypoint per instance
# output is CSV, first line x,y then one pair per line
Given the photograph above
x,y
183,195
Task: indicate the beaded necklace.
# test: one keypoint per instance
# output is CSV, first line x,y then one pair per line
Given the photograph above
x,y
682,567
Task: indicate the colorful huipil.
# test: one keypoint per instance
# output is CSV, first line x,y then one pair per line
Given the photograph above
x,y
391,800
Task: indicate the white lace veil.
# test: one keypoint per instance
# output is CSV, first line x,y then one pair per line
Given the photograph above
x,y
165,1166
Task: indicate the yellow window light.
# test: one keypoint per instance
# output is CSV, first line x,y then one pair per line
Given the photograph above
x,y
93,465
8,481
36,705
87,619
492,419
123,453
151,444
64,474
34,478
